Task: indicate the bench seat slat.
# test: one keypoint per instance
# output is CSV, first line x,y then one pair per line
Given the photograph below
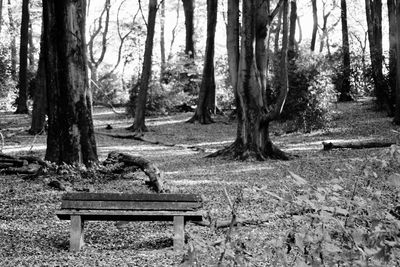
x,y
132,197
129,205
113,215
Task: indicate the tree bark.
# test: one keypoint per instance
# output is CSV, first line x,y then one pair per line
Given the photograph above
x,y
374,23
391,5
149,168
1,14
206,100
357,145
397,110
292,31
70,133
315,24
31,50
39,110
253,138
345,89
278,31
188,8
139,124
22,105
13,45
162,40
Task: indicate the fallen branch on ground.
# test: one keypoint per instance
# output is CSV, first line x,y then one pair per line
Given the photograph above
x,y
21,165
357,144
149,168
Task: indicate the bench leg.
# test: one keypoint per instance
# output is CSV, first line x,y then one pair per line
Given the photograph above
x,y
179,233
76,233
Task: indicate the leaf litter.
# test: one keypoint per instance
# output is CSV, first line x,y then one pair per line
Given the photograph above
x,y
323,208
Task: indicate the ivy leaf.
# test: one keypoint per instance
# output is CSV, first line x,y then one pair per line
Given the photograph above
x,y
298,179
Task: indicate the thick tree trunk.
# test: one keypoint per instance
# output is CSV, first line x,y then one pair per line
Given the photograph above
x,y
374,23
253,138
345,88
391,5
188,8
39,110
315,24
139,123
206,100
70,133
397,105
22,106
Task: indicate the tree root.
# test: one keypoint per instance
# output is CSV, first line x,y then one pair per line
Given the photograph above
x,y
237,151
202,119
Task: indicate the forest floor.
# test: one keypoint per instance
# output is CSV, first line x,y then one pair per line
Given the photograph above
x,y
327,208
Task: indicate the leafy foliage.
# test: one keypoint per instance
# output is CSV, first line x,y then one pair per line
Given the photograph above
x,y
310,91
7,84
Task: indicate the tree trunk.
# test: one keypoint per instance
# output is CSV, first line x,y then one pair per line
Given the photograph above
x,y
139,124
39,110
162,40
70,133
374,23
391,4
1,14
324,32
13,45
253,138
315,24
397,110
22,106
94,63
292,32
188,8
31,51
278,31
345,88
206,101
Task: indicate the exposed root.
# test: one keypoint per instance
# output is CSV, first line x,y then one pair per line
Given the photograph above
x,y
202,119
237,151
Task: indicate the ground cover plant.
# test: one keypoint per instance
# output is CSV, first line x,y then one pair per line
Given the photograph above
x,y
322,208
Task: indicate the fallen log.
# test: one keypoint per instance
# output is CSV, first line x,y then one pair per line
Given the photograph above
x,y
357,144
149,168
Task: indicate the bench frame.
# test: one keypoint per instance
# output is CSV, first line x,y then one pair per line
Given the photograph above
x,y
78,218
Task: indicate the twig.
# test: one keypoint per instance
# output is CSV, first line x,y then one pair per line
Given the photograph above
x,y
35,137
2,142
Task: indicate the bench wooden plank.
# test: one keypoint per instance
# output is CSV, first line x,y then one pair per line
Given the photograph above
x,y
112,215
128,205
132,197
81,207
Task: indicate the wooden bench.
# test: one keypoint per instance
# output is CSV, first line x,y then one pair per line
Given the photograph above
x,y
81,207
